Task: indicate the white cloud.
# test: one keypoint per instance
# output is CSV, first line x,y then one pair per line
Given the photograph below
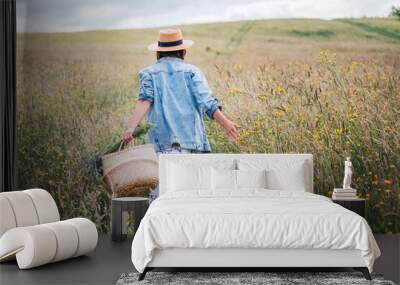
x,y
77,15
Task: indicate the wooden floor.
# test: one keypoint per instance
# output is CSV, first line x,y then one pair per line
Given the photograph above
x,y
110,260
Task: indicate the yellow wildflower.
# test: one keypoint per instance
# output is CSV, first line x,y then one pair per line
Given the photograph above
x,y
338,131
237,67
234,90
262,97
322,56
315,136
280,89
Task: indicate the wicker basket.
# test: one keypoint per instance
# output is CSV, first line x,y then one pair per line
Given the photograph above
x,y
111,160
131,172
136,190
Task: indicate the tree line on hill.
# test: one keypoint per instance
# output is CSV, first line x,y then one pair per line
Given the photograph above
x,y
395,12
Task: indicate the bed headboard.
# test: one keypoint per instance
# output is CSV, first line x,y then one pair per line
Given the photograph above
x,y
217,158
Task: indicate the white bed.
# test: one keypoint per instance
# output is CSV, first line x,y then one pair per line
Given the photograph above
x,y
219,225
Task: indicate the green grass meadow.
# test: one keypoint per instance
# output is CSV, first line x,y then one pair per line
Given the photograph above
x,y
330,88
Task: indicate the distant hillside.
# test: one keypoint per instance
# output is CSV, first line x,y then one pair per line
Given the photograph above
x,y
267,39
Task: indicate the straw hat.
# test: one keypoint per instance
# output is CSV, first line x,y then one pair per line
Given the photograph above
x,y
170,40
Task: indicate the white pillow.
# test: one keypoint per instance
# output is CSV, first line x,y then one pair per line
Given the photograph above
x,y
183,177
223,179
281,174
226,179
293,180
251,178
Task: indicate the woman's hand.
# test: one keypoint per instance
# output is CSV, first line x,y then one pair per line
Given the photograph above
x,y
127,136
231,130
229,126
141,108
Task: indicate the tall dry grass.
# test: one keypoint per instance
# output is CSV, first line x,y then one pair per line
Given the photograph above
x,y
68,109
75,92
328,109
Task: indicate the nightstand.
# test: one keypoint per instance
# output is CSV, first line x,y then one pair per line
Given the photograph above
x,y
357,205
119,207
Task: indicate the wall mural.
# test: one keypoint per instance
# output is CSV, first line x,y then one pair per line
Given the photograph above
x,y
330,88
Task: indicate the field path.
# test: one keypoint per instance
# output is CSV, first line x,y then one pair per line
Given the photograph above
x,y
236,39
383,31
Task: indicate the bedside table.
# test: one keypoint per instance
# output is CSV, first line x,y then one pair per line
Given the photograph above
x,y
119,207
357,205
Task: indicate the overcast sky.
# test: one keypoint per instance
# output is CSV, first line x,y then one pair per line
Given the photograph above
x,y
80,15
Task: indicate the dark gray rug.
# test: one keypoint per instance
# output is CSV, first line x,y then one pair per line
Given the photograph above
x,y
236,278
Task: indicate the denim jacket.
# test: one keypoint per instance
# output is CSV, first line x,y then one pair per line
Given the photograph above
x,y
179,96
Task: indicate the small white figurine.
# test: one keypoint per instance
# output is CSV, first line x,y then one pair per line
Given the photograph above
x,y
348,171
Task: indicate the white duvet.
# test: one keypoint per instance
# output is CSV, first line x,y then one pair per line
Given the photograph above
x,y
252,218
